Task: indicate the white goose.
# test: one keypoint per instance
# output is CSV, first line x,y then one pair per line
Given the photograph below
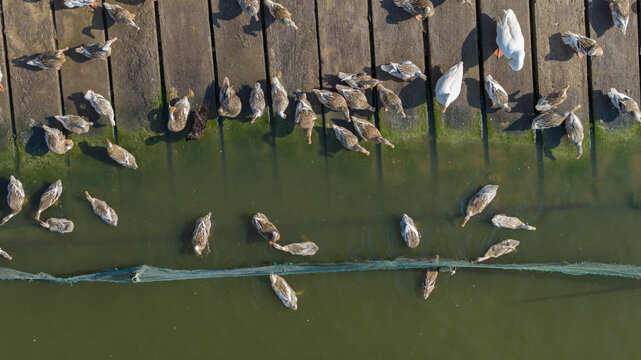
x,y
448,86
510,40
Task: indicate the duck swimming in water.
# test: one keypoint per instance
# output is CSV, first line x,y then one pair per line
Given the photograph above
x,y
552,100
280,100
420,9
429,282
479,201
100,208
496,250
361,81
120,155
369,132
551,119
624,104
49,197
305,117
510,222
581,44
279,12
96,51
306,248
448,86
390,100
15,198
333,101
49,60
574,129
620,10
285,292
251,7
62,226
200,237
349,140
74,123
198,126
509,40
355,98
78,3
101,105
121,15
405,70
230,105
178,115
496,93
409,231
257,102
56,141
265,228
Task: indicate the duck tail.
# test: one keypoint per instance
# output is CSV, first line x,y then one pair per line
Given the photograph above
x,y
387,68
422,76
342,76
507,108
567,38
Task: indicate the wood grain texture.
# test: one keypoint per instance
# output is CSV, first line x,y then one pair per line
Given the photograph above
x,y
6,138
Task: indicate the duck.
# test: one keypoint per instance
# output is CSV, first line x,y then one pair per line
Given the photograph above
x,y
509,40
429,282
467,2
96,51
265,228
230,105
49,60
355,98
510,222
574,129
257,102
1,78
620,10
306,248
305,117
333,101
120,155
551,119
200,237
479,201
15,198
405,70
101,105
251,7
78,3
583,45
390,100
496,93
349,140
49,197
74,123
178,115
369,132
624,104
552,100
100,208
121,15
420,9
56,141
448,86
280,101
361,80
285,292
198,126
279,12
62,226
5,255
409,232
496,250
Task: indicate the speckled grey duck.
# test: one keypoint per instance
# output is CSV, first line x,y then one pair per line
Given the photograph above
x,y
405,70
361,81
420,9
510,222
104,211
625,104
552,100
349,140
178,115
265,227
121,15
120,155
369,132
279,12
306,248
305,117
49,197
198,126
230,105
355,98
74,123
78,3
56,141
390,100
49,60
257,102
101,105
581,44
280,100
62,226
574,129
96,51
620,10
551,119
200,237
5,255
496,250
15,198
251,7
429,282
498,96
409,232
285,292
333,101
479,201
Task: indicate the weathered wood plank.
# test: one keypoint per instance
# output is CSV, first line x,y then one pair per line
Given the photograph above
x,y
518,84
398,37
6,141
457,43
558,65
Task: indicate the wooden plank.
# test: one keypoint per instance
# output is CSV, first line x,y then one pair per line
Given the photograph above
x,y
398,37
6,130
463,116
518,84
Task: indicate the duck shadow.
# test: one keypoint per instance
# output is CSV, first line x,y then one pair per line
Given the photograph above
x,y
522,107
435,73
413,93
4,207
36,144
332,80
488,26
21,62
473,87
469,51
559,51
250,230
33,204
600,17
229,10
186,233
602,101
97,152
133,2
76,56
395,15
97,23
552,139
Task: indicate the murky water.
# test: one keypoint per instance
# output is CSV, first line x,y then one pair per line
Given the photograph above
x,y
350,206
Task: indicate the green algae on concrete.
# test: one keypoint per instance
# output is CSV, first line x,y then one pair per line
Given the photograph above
x,y
469,132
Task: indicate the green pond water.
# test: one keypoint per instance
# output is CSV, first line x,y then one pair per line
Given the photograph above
x,y
350,205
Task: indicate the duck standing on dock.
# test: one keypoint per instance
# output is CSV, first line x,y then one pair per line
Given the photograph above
x,y
251,7
496,250
198,126
280,101
96,51
361,81
265,228
200,237
56,141
121,15
625,104
257,102
420,9
78,3
355,98
498,96
390,100
583,45
178,115
409,232
62,226
15,198
49,197
574,129
279,12
620,10
510,40
429,282
551,119
230,105
369,132
510,222
100,208
285,292
349,140
305,117
333,101
101,105
306,248
448,86
552,100
74,123
405,70
120,155
479,201
49,60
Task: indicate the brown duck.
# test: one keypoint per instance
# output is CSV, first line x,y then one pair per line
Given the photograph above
x,y
49,60
554,99
361,81
496,250
355,98
279,12
333,101
198,126
49,197
305,117
15,198
62,226
369,132
120,155
265,228
390,100
349,140
230,105
479,201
